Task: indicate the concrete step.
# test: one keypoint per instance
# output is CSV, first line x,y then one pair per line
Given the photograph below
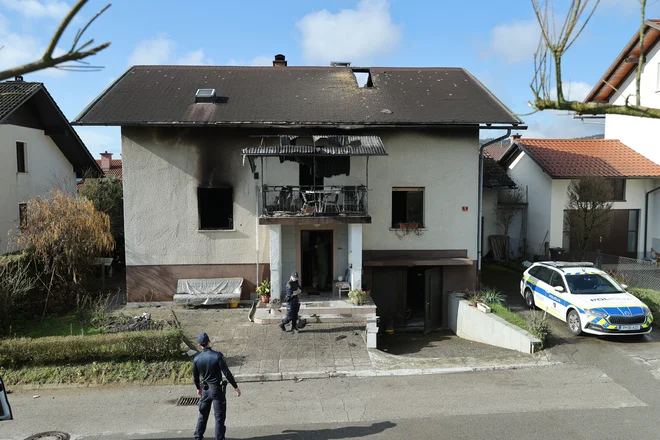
x,y
263,317
354,311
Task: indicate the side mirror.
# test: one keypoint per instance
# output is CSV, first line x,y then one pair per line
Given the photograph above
x,y
559,288
625,286
5,409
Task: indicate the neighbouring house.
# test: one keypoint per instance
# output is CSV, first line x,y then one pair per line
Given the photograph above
x,y
618,86
545,168
254,172
40,151
111,168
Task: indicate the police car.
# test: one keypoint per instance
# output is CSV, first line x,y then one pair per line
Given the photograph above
x,y
586,298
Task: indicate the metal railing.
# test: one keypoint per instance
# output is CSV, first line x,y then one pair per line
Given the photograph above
x,y
314,201
643,274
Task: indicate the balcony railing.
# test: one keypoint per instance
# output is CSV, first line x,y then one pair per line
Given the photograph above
x,y
314,201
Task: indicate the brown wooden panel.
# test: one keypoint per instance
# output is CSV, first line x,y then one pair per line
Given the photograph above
x,y
389,293
411,255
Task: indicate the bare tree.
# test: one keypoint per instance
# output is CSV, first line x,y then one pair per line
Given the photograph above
x,y
553,46
71,60
505,212
588,212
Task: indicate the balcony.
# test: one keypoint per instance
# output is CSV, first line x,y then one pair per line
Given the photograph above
x,y
326,204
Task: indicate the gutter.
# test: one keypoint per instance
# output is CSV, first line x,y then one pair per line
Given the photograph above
x,y
646,220
481,196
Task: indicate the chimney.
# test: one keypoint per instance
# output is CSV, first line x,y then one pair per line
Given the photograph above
x,y
513,138
106,160
279,61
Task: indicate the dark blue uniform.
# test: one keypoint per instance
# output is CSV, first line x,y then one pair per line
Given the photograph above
x,y
209,366
293,304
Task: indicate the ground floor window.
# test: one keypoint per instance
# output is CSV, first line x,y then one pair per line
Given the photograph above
x,y
407,207
22,215
216,208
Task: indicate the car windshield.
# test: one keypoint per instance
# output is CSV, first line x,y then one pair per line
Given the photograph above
x,y
586,284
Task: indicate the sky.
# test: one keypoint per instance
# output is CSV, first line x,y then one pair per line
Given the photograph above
x,y
494,40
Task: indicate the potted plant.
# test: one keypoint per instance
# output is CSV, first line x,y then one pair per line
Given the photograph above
x,y
263,290
358,297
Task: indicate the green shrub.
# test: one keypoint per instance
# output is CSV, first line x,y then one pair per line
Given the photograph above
x,y
146,346
537,324
650,297
358,297
492,296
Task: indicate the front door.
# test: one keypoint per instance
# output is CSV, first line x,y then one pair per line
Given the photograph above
x,y
433,315
317,258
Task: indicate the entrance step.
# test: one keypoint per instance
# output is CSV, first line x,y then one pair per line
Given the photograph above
x,y
263,317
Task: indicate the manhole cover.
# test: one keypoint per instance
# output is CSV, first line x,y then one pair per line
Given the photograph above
x,y
187,401
50,435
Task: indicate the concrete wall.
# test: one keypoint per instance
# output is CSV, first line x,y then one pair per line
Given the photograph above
x,y
639,133
47,168
470,323
531,178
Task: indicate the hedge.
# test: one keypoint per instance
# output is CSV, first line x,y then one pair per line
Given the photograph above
x,y
141,346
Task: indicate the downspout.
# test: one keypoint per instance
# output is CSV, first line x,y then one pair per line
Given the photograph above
x,y
646,220
481,196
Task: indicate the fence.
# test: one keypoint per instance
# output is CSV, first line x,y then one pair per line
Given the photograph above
x,y
643,274
314,201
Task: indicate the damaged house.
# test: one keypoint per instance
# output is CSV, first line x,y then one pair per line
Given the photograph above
x,y
252,173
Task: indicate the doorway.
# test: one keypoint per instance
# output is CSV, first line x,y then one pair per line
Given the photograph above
x,y
317,260
307,177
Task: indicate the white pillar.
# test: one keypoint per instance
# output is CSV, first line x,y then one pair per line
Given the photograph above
x,y
355,254
276,261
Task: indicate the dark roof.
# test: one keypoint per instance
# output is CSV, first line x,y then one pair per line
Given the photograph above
x,y
295,96
574,158
496,151
621,69
320,146
48,116
495,175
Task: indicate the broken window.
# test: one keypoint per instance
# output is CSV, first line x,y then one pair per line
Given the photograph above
x,y
407,207
216,208
21,165
22,215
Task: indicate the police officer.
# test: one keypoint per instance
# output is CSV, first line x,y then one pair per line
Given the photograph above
x,y
293,303
209,366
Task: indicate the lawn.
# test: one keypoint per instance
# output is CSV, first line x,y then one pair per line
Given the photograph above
x,y
509,316
60,325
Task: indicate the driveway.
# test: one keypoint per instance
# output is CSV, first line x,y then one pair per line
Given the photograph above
x,y
563,344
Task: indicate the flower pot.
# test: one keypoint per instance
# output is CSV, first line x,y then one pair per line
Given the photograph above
x,y
368,292
265,299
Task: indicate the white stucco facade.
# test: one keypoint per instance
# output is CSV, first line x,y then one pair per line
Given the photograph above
x,y
640,134
47,169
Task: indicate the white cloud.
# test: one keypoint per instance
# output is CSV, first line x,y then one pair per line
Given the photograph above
x,y
354,35
573,90
261,60
36,9
162,50
100,139
515,41
555,124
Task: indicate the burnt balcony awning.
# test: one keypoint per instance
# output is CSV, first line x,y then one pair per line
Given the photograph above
x,y
320,146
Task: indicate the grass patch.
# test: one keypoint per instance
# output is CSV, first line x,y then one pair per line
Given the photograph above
x,y
508,315
650,297
175,372
71,324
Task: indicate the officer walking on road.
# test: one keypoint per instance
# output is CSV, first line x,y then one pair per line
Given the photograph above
x,y
208,368
293,303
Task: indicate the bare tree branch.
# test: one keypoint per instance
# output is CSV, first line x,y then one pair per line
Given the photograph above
x,y
75,54
640,62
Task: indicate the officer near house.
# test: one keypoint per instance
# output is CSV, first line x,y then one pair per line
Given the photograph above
x,y
293,303
208,368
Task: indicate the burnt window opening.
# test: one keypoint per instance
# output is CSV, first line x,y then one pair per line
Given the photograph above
x,y
22,215
216,208
21,162
618,189
407,207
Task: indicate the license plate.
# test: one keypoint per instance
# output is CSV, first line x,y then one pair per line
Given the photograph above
x,y
629,327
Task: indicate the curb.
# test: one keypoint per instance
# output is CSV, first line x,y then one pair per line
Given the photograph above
x,y
308,375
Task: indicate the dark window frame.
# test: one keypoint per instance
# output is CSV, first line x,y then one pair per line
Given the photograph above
x,y
21,157
634,231
561,282
618,189
397,191
207,220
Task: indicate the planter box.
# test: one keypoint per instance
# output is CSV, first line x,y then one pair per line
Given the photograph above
x,y
484,308
470,323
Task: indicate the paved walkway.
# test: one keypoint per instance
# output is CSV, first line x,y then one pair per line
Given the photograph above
x,y
264,352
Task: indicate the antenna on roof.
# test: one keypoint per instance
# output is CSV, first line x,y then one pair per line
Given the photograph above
x,y
340,63
18,78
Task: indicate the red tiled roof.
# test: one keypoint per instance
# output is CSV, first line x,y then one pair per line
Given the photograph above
x,y
496,151
115,168
572,158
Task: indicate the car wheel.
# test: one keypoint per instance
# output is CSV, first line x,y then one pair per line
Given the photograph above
x,y
574,324
529,299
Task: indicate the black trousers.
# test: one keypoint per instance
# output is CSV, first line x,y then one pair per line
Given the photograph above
x,y
292,315
215,395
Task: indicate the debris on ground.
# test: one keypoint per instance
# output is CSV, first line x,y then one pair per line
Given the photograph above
x,y
123,323
36,397
339,338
